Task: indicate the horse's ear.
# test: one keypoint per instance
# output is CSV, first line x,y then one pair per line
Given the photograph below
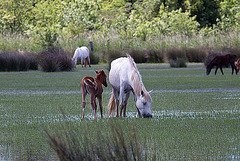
x,y
150,92
96,71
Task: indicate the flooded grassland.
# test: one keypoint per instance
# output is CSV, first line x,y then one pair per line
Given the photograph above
x,y
195,116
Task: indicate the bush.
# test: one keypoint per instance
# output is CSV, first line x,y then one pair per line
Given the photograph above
x,y
111,55
175,53
196,54
94,59
179,63
98,144
55,59
177,58
17,62
138,55
154,56
233,50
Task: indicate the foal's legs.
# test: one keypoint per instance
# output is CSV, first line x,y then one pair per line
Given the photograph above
x,y
93,105
84,93
100,104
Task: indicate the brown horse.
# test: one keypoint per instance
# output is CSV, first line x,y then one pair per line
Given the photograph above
x,y
238,64
93,87
222,61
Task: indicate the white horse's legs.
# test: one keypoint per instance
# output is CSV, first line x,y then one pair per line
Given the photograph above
x,y
89,61
116,95
82,60
124,104
121,99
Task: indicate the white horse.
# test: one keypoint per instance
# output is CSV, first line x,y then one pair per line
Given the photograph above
x,y
125,78
83,54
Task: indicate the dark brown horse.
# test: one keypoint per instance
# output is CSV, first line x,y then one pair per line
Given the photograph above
x,y
93,87
221,61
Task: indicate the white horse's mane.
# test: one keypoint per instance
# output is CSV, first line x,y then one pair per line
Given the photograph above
x,y
137,80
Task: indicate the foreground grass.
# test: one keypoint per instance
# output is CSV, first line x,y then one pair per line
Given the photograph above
x,y
195,117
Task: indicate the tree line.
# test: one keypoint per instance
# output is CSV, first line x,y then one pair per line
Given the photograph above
x,y
46,20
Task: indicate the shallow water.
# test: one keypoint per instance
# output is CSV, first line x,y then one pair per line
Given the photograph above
x,y
47,92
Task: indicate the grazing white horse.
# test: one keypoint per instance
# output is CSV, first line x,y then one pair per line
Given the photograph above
x,y
125,78
83,54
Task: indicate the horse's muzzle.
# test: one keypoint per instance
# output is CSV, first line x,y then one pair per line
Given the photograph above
x,y
147,115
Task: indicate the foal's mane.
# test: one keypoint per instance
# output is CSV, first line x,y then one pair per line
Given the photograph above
x,y
138,86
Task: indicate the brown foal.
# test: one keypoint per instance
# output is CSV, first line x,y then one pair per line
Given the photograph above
x,y
238,65
93,87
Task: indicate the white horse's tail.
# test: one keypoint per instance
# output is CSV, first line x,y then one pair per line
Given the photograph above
x,y
112,106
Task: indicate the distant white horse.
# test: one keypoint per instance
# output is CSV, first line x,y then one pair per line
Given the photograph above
x,y
83,54
125,78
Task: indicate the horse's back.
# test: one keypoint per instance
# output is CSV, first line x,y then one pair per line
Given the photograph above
x,y
84,48
119,71
82,51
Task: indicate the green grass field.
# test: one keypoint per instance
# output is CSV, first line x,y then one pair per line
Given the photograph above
x,y
195,116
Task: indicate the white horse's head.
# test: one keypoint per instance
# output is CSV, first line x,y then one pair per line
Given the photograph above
x,y
74,62
143,103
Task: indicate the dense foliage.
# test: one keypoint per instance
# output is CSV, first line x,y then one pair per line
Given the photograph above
x,y
46,20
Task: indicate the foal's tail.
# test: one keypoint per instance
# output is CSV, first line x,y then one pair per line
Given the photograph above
x,y
112,106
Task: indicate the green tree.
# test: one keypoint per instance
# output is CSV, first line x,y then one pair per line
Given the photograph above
x,y
207,11
230,15
15,15
48,21
80,16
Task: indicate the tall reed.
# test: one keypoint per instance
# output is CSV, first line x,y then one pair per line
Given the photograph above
x,y
83,142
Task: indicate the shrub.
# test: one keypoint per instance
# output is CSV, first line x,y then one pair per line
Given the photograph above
x,y
175,53
17,62
110,55
94,59
138,55
196,54
177,58
55,59
233,50
154,56
97,144
33,61
179,63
